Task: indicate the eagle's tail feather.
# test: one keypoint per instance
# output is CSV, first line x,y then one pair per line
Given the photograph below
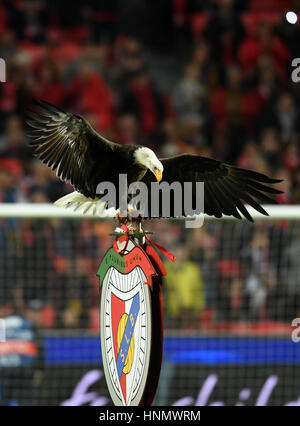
x,y
80,203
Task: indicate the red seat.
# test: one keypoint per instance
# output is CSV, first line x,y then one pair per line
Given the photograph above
x,y
94,319
270,5
48,316
229,268
252,19
198,23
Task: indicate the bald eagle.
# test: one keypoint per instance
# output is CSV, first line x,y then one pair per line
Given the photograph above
x,y
67,143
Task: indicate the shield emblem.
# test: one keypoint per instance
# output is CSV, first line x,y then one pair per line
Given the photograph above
x,y
125,322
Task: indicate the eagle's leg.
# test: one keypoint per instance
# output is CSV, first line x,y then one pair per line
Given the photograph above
x,y
132,221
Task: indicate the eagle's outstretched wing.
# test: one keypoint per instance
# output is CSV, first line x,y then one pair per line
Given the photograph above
x,y
68,144
226,187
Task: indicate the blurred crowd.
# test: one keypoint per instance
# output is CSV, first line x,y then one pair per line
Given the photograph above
x,y
206,77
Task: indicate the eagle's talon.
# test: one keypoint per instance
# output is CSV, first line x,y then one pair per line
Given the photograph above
x,y
130,221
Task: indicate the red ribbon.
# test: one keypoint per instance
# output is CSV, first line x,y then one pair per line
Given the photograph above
x,y
161,248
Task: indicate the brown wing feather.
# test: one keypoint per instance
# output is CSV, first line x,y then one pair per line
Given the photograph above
x,y
226,187
68,144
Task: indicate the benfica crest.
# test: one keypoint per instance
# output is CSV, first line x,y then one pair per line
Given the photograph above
x,y
128,296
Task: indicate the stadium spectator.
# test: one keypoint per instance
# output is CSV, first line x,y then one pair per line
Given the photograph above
x,y
209,75
144,102
289,276
86,89
225,31
259,277
284,116
189,96
264,41
13,143
184,302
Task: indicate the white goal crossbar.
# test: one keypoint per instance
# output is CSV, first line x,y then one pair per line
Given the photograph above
x,y
47,211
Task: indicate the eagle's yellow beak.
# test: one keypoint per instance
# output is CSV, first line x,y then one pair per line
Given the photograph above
x,y
158,175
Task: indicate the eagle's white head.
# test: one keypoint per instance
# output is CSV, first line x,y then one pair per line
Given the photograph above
x,y
147,158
